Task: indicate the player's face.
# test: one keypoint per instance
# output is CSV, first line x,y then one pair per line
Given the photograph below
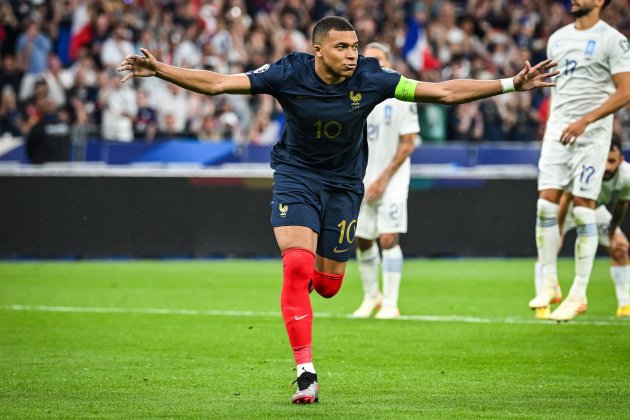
x,y
612,164
339,53
379,55
581,8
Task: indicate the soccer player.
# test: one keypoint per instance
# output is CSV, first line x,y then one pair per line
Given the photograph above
x,y
615,193
392,133
594,83
319,161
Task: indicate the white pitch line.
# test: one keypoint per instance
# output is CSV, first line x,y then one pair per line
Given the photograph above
x,y
609,321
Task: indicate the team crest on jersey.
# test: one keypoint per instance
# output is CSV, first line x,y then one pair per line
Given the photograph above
x,y
625,45
355,98
262,69
389,111
284,208
590,48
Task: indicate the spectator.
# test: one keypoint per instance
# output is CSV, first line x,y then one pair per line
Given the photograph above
x,y
117,46
10,118
10,74
49,139
33,48
145,123
118,102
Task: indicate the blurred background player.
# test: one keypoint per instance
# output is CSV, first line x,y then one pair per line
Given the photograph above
x,y
594,82
392,132
615,193
319,162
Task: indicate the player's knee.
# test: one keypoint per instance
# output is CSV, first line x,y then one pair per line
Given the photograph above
x,y
546,208
297,264
327,285
388,241
619,253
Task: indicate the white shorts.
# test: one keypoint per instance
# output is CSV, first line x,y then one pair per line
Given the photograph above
x,y
577,169
602,219
383,216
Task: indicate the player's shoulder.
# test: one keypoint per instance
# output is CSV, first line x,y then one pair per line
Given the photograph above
x,y
605,28
566,30
624,171
297,60
370,65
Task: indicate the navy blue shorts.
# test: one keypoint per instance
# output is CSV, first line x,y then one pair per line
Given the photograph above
x,y
330,210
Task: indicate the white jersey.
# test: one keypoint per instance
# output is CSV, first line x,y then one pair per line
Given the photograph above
x,y
587,60
386,123
618,186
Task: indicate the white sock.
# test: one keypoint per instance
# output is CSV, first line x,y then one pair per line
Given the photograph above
x,y
547,240
538,278
392,271
368,269
305,367
621,277
585,249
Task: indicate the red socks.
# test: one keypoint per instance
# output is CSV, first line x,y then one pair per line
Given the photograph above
x,y
295,302
327,285
297,264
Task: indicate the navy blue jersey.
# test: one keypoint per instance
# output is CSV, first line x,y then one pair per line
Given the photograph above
x,y
324,131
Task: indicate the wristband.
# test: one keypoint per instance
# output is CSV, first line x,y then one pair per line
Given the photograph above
x,y
507,85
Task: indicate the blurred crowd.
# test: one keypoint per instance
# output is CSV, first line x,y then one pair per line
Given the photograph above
x,y
60,57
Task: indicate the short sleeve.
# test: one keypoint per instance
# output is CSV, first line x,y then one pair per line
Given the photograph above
x,y
388,81
267,78
408,123
619,56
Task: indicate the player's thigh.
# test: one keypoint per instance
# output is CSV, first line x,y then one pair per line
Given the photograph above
x,y
295,237
340,211
554,171
392,215
366,223
587,166
295,211
326,265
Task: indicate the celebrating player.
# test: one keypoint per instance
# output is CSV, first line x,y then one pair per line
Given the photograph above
x,y
593,84
320,159
615,192
392,132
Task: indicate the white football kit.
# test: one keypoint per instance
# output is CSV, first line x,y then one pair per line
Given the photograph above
x,y
587,60
386,123
617,188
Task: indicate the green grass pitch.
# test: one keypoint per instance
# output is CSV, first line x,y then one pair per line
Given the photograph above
x,y
204,339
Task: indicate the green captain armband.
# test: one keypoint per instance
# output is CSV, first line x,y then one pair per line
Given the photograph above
x,y
405,89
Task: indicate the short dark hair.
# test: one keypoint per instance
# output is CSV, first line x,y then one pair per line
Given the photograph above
x,y
327,24
605,5
615,143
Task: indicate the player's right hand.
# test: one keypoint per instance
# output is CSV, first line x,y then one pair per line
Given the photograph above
x,y
138,65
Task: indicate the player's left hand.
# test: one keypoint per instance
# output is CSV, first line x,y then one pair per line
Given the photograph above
x,y
375,191
571,133
534,77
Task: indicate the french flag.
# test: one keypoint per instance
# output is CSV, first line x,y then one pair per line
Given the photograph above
x,y
416,50
81,29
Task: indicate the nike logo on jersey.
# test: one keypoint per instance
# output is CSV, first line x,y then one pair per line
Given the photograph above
x,y
297,318
339,251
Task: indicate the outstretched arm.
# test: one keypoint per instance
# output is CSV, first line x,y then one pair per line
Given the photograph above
x,y
459,91
200,81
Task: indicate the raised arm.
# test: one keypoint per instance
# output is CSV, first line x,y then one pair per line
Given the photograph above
x,y
200,81
459,91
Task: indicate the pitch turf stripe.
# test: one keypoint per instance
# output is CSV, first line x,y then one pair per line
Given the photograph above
x,y
605,321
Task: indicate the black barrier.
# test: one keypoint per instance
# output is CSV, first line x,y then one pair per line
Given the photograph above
x,y
154,217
